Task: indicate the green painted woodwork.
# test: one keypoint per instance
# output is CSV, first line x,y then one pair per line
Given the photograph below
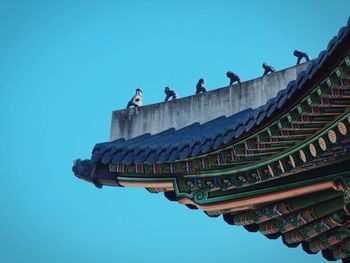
x,y
316,228
342,250
294,220
282,208
328,239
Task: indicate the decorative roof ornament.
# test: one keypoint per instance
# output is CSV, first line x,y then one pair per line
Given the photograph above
x,y
136,100
300,55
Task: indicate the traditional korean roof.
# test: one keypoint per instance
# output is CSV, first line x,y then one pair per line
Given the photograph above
x,y
282,169
196,139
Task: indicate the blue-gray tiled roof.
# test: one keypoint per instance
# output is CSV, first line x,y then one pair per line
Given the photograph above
x,y
195,139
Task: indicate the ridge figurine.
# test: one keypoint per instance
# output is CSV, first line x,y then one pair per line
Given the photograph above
x,y
300,55
136,100
200,86
233,77
268,69
169,94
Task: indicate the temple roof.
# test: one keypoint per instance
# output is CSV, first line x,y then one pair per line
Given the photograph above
x,y
197,139
281,169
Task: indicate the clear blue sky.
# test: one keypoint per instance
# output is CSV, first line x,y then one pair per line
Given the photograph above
x,y
65,65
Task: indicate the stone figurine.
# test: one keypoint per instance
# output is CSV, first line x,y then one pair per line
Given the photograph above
x,y
233,77
136,100
300,55
170,94
268,69
200,86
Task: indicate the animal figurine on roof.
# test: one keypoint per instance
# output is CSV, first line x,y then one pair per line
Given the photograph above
x,y
300,55
268,69
233,77
169,94
200,86
136,100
